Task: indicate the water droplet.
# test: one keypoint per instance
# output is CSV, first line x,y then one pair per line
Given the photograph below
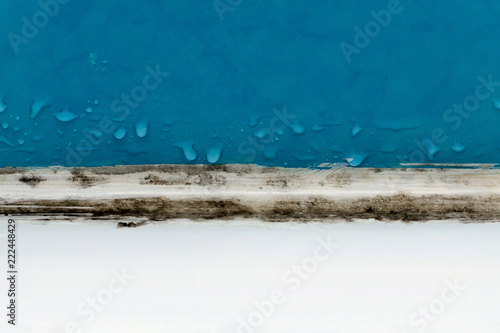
x,y
96,102
253,120
141,128
188,150
214,153
120,133
262,133
458,147
318,127
38,105
297,128
269,153
5,125
496,103
37,138
96,133
65,115
3,106
4,140
432,149
20,141
88,109
356,129
356,159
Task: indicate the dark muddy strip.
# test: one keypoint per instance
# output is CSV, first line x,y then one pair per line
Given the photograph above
x,y
385,208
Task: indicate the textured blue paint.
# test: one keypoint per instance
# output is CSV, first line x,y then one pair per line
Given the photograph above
x,y
233,74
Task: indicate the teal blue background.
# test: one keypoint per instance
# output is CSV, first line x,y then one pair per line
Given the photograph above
x,y
228,70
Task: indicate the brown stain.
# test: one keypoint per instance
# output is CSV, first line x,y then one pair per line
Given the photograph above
x,y
31,180
295,207
8,171
207,179
278,183
161,208
153,179
400,207
79,176
130,224
339,178
201,179
173,169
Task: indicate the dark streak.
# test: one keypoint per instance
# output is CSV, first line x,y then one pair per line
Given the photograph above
x,y
399,207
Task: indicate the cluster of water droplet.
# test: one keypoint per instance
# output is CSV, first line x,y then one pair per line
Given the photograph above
x,y
268,142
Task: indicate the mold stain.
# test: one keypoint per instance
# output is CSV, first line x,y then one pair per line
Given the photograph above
x,y
31,180
399,207
80,177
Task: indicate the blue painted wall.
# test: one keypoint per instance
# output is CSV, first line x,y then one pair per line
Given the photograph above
x,y
292,83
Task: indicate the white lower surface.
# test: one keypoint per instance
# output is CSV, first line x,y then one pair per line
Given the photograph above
x,y
207,277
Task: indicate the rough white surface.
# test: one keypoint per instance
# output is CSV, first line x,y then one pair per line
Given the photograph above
x,y
336,182
202,277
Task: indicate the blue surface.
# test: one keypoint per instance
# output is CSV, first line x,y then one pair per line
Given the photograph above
x,y
232,69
